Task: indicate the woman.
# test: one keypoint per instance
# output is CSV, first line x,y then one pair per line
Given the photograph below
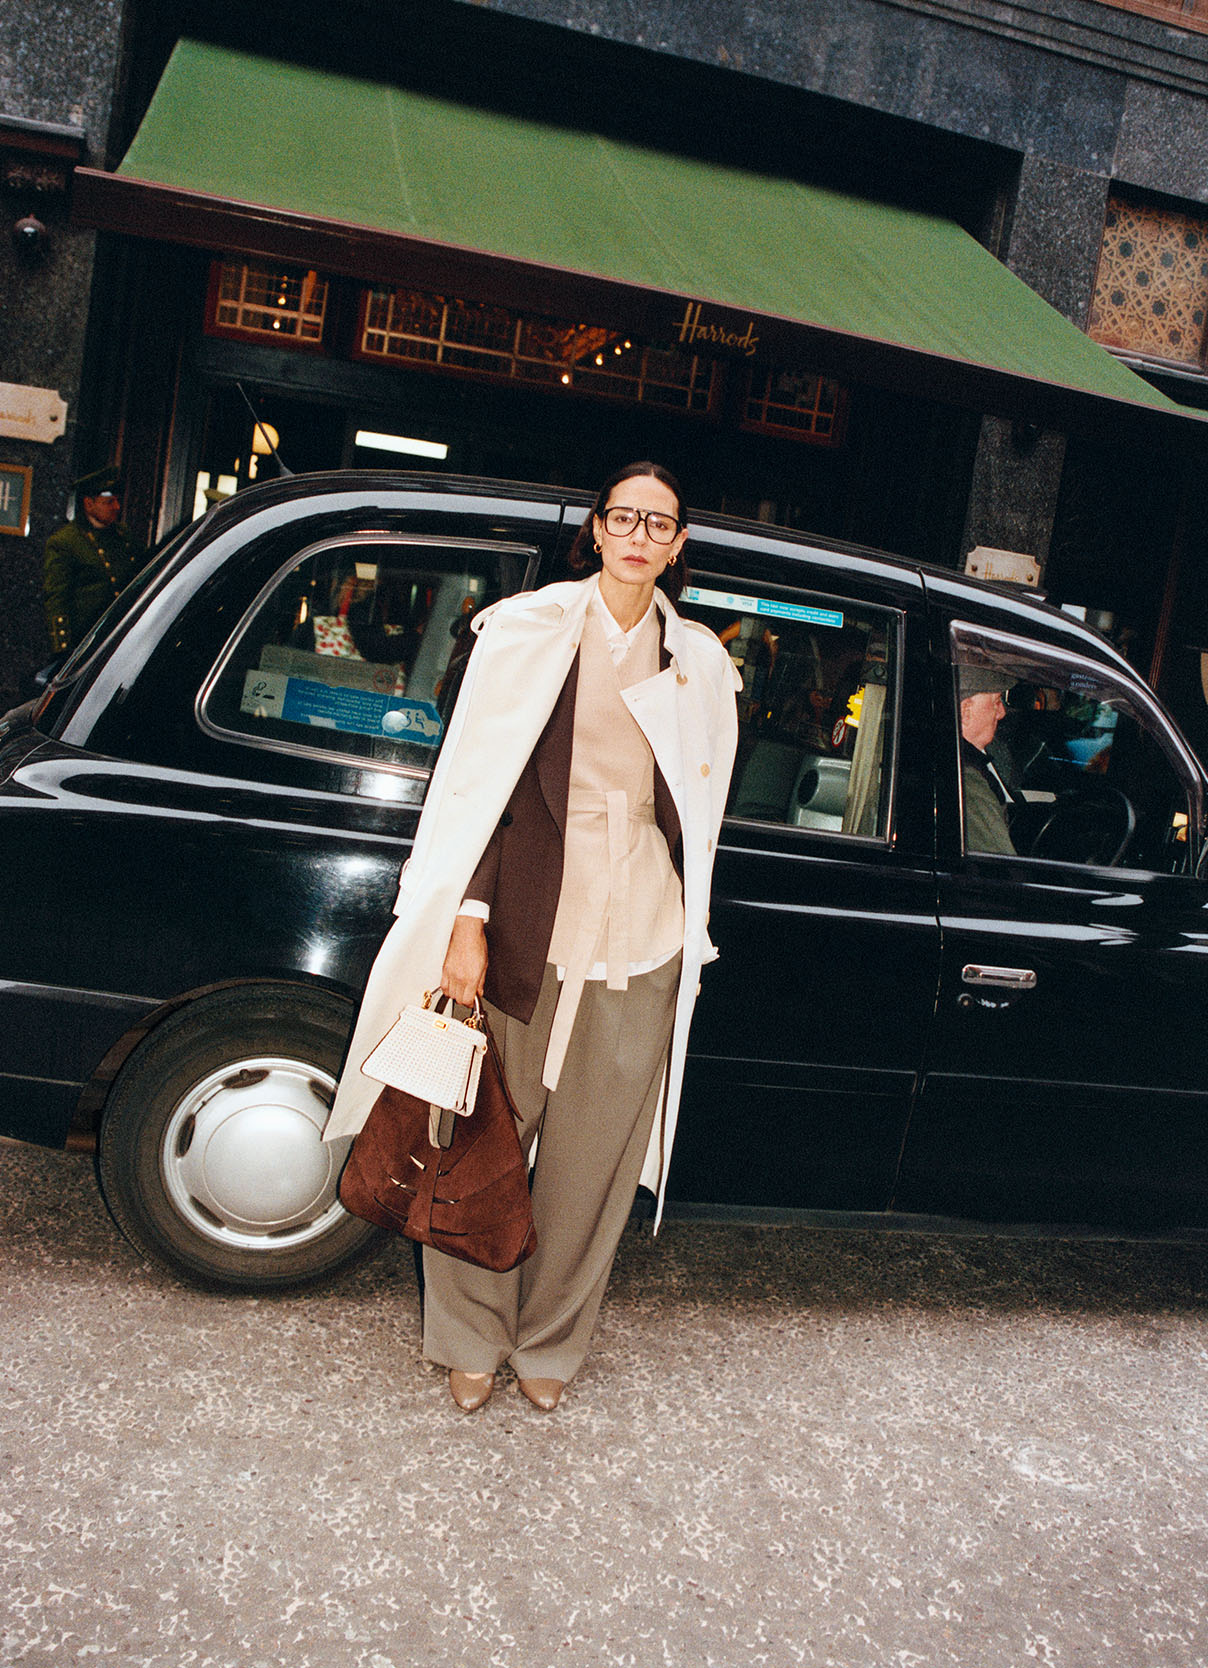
x,y
561,869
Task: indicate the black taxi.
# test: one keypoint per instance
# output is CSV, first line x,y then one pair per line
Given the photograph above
x,y
203,817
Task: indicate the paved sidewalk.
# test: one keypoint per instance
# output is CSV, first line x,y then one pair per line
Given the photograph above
x,y
789,1447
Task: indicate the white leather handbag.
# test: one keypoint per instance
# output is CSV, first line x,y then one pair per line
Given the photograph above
x,y
429,1054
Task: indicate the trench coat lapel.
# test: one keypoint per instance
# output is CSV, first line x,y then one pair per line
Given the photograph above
x,y
518,682
512,684
669,711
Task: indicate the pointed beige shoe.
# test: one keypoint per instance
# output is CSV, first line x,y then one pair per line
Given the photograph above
x,y
544,1393
470,1390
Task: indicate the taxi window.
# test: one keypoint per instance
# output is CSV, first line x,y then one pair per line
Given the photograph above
x,y
1061,759
358,648
816,712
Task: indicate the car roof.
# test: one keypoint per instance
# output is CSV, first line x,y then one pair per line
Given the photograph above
x,y
204,547
1013,607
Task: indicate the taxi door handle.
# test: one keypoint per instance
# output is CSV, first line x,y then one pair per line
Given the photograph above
x,y
1007,978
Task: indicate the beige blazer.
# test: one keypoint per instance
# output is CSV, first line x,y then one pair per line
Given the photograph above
x,y
524,652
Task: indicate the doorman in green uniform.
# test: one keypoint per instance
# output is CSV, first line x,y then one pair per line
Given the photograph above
x,y
88,560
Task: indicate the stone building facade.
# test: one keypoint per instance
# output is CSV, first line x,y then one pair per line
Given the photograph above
x,y
59,72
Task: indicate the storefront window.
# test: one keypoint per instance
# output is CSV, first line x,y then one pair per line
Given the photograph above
x,y
795,403
290,307
283,304
412,327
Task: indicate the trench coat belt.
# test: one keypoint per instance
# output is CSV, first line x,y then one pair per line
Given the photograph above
x,y
608,898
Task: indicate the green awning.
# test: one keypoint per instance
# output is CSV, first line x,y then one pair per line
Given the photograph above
x,y
242,153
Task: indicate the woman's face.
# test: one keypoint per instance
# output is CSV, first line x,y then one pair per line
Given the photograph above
x,y
634,558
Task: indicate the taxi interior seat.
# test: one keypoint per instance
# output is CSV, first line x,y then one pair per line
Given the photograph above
x,y
820,793
765,785
781,783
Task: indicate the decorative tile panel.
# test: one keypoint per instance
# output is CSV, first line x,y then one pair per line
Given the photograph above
x,y
1186,14
1151,292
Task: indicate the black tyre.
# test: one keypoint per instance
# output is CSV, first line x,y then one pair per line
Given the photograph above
x,y
210,1155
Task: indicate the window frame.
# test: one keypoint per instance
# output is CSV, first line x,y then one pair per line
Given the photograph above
x,y
528,555
832,439
895,620
565,379
292,343
964,634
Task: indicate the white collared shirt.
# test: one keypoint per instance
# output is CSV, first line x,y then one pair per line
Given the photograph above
x,y
619,640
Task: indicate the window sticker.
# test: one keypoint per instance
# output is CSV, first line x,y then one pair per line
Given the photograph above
x,y
1087,684
763,605
338,707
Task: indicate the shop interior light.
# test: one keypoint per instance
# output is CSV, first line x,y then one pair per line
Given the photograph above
x,y
212,490
401,443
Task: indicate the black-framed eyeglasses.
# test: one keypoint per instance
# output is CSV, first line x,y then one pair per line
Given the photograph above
x,y
620,520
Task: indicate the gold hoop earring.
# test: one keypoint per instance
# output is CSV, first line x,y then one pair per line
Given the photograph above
x,y
671,561
596,548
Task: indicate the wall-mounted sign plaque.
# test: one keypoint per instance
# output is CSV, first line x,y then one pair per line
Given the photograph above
x,y
31,413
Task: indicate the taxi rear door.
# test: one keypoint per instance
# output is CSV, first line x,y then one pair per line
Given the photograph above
x,y
809,1033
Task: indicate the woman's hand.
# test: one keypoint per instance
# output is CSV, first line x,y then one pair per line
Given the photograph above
x,y
465,961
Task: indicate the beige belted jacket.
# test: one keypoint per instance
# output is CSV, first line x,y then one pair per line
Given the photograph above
x,y
526,646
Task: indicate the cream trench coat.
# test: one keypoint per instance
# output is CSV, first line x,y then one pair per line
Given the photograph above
x,y
525,650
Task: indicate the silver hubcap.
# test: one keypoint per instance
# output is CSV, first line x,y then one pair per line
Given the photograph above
x,y
243,1160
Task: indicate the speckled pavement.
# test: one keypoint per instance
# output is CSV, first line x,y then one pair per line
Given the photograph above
x,y
790,1446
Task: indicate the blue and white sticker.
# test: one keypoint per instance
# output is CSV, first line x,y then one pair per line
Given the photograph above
x,y
327,706
736,604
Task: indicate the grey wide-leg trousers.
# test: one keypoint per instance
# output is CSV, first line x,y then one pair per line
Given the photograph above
x,y
594,1130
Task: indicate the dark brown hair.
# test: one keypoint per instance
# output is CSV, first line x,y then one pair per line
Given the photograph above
x,y
583,557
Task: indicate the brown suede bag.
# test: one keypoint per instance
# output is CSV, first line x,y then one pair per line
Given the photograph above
x,y
469,1199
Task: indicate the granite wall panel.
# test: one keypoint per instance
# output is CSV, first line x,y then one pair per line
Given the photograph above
x,y
1163,142
955,79
57,65
1014,489
1069,81
1055,231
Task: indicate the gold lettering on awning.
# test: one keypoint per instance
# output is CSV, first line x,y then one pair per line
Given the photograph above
x,y
692,331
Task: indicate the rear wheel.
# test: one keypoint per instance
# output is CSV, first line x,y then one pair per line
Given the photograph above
x,y
210,1154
